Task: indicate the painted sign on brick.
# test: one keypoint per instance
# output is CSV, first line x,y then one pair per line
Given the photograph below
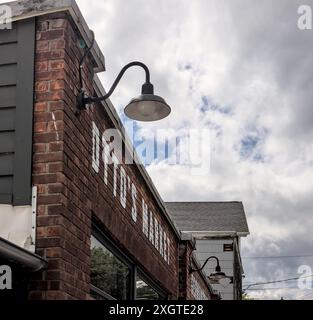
x,y
151,227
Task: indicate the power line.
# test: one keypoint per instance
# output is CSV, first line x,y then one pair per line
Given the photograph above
x,y
279,257
252,282
275,281
277,288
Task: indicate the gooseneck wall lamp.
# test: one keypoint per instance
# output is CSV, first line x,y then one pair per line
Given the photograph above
x,y
217,275
146,107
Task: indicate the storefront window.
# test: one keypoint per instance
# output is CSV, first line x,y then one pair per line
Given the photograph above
x,y
115,276
145,292
108,273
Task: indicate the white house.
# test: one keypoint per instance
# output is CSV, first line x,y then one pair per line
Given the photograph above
x,y
217,228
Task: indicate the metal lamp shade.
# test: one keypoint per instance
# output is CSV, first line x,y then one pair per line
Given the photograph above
x,y
216,276
147,107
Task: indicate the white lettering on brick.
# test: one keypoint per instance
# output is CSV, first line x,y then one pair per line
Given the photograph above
x,y
134,205
145,219
156,233
123,187
95,148
111,155
151,229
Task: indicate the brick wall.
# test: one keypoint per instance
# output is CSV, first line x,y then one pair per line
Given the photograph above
x,y
70,192
63,224
186,280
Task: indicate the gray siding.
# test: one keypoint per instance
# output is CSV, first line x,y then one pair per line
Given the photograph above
x,y
17,50
207,248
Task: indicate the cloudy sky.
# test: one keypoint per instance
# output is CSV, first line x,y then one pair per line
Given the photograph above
x,y
242,71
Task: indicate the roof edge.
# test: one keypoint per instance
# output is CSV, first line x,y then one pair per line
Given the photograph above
x,y
220,234
26,259
192,202
22,10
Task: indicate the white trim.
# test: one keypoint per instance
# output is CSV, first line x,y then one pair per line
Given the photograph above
x,y
32,247
217,233
239,256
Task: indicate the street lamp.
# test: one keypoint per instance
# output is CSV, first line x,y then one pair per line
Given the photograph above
x,y
215,276
146,107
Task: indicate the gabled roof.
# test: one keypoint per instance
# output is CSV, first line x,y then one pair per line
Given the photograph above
x,y
219,217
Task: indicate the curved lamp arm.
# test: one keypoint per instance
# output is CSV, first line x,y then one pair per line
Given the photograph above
x,y
191,270
147,88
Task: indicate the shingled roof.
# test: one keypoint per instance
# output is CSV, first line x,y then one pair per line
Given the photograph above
x,y
209,216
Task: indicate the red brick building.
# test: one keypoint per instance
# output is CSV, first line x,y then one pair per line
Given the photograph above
x,y
86,229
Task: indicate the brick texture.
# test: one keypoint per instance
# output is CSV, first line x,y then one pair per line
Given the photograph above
x,y
70,193
185,278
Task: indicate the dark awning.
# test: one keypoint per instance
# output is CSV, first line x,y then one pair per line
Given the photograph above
x,y
18,256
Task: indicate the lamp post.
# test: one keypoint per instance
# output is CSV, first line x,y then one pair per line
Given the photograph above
x,y
217,275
